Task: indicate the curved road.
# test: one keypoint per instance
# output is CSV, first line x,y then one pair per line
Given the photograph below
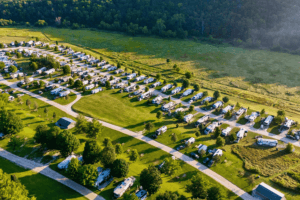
x,y
179,155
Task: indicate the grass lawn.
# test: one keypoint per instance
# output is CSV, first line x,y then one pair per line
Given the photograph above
x,y
150,156
239,73
38,185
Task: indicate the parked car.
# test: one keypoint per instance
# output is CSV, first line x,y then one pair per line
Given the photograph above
x,y
179,148
194,155
205,160
154,136
211,162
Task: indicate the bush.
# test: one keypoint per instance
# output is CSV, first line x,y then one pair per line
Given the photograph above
x,y
225,99
289,148
120,168
220,141
134,155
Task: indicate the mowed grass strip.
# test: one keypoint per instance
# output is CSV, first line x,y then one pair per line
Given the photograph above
x,y
38,185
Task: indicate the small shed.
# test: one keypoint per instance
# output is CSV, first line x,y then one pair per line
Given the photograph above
x,y
65,123
264,191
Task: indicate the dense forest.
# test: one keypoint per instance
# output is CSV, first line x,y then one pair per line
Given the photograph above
x,y
227,19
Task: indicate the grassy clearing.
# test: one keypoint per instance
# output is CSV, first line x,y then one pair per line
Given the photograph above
x,y
38,185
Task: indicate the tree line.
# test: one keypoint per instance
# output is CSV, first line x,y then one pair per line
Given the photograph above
x,y
218,18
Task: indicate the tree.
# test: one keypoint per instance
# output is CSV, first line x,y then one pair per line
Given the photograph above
x,y
134,155
94,129
41,132
118,65
171,166
46,111
107,85
54,115
91,152
41,23
191,108
289,147
180,116
73,168
108,156
202,153
66,69
107,142
238,105
71,81
16,141
120,168
217,132
188,75
205,94
34,66
10,123
2,65
232,137
198,186
168,195
168,60
19,55
220,141
41,84
149,126
174,137
196,87
198,134
150,179
87,175
225,99
56,48
119,148
158,76
281,113
217,94
185,83
158,114
215,193
262,111
67,143
13,69
78,84
177,69
217,158
279,119
13,189
81,125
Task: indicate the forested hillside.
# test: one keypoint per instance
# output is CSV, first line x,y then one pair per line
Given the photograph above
x,y
219,18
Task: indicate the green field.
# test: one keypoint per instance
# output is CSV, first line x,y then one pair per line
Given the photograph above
x,y
239,73
38,185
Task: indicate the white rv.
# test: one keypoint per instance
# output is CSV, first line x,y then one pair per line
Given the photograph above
x,y
227,108
188,118
217,104
203,119
126,184
105,66
94,91
168,106
240,112
166,87
89,87
202,147
187,92
103,176
50,71
211,128
226,131
241,134
149,80
190,141
156,84
209,99
145,95
161,130
56,91
253,116
267,142
131,76
157,100
64,93
142,77
176,90
130,88
268,120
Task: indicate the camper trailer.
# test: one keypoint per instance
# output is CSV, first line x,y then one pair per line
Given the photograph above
x,y
130,88
227,108
121,189
94,91
187,92
240,112
156,84
217,104
142,77
149,80
203,119
188,118
209,99
145,95
253,116
131,76
166,87
161,130
190,141
268,120
89,87
103,176
211,128
226,131
167,107
176,90
241,134
157,100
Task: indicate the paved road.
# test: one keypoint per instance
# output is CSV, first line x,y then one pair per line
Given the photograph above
x,y
179,155
47,171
